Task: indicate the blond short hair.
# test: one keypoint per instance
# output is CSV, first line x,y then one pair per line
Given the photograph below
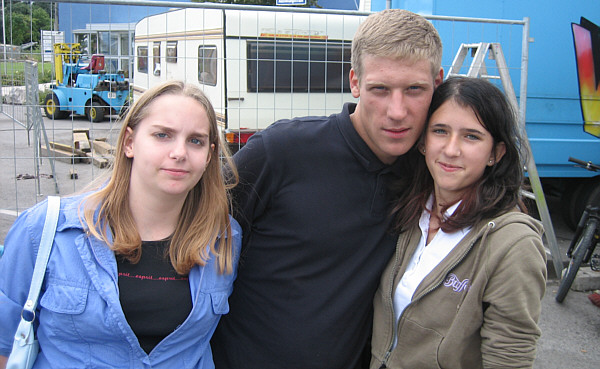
x,y
399,34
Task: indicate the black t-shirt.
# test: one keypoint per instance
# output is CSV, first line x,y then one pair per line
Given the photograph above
x,y
154,298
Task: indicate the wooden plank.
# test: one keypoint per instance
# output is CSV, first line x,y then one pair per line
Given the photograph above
x,y
109,157
86,131
98,160
58,154
103,147
62,147
81,142
67,148
80,155
73,174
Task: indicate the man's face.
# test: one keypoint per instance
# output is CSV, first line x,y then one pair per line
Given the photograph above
x,y
394,97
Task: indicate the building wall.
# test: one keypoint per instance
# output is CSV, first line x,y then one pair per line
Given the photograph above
x,y
73,16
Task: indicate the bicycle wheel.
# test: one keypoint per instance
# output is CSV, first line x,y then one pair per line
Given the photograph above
x,y
584,242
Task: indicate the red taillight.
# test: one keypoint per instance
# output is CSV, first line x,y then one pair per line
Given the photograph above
x,y
238,137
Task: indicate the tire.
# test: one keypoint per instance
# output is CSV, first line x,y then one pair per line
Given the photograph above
x,y
94,112
581,247
567,204
52,107
590,195
576,197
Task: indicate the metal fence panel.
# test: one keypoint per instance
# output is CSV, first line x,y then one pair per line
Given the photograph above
x,y
257,64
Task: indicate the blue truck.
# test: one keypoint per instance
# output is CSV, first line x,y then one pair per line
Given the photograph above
x,y
82,87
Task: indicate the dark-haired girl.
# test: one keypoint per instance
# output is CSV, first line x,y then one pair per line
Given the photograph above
x,y
464,288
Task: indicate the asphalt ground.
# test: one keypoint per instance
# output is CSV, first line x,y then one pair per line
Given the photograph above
x,y
24,181
570,331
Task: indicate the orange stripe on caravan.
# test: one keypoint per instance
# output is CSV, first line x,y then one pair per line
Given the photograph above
x,y
293,36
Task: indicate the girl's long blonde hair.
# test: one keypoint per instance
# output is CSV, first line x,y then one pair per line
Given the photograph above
x,y
204,218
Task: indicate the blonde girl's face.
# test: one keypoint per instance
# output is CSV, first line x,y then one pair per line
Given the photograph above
x,y
170,148
457,150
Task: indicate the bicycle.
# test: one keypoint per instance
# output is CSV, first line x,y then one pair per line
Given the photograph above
x,y
581,249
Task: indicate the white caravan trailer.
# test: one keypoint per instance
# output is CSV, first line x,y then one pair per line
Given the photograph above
x,y
255,66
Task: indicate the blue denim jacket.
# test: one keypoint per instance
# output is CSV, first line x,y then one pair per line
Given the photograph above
x,y
82,323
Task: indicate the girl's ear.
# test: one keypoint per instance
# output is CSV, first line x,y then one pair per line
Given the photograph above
x,y
128,143
498,153
421,147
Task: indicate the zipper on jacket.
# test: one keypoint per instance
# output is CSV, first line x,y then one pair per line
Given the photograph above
x,y
391,296
396,324
452,266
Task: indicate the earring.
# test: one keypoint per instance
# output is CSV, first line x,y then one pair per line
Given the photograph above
x,y
423,150
491,162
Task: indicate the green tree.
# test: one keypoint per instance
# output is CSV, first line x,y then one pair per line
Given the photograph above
x,y
309,3
23,22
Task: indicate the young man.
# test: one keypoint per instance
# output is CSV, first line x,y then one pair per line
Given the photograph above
x,y
313,205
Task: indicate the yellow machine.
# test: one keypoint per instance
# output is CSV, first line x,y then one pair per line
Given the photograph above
x,y
67,53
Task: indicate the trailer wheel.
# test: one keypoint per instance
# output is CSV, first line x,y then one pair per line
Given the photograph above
x,y
94,112
52,107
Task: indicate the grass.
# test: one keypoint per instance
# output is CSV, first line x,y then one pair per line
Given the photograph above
x,y
12,72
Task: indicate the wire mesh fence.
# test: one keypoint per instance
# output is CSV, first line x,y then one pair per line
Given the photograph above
x,y
257,64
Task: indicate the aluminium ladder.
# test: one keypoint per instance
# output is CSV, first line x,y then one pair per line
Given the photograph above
x,y
478,69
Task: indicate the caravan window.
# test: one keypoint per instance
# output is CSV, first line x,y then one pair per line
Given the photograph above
x,y
298,66
207,65
171,51
156,58
142,62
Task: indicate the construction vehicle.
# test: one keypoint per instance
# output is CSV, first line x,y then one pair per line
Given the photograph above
x,y
82,87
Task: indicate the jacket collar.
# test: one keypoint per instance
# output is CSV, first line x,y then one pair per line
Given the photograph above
x,y
359,148
69,215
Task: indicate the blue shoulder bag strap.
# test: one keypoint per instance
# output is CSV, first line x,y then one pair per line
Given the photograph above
x,y
43,255
25,346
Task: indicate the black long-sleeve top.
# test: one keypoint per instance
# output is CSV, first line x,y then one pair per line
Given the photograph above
x,y
314,207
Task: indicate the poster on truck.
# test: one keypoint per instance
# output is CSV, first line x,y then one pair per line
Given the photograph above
x,y
586,36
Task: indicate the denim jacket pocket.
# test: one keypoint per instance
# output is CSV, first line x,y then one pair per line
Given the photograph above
x,y
64,299
220,303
